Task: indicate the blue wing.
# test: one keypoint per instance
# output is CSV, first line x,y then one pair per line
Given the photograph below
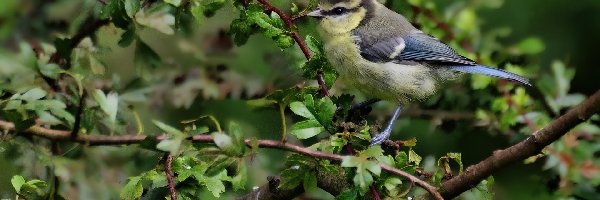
x,y
419,47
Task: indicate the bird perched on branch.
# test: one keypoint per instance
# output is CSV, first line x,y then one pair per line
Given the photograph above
x,y
383,55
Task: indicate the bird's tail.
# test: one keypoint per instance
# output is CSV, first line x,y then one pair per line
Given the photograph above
x,y
483,70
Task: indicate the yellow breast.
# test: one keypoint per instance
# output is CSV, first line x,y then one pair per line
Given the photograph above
x,y
388,81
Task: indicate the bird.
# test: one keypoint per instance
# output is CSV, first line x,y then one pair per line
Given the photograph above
x,y
379,52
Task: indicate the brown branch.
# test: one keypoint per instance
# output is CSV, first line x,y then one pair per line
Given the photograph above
x,y
60,135
374,192
78,116
169,174
527,148
289,23
451,188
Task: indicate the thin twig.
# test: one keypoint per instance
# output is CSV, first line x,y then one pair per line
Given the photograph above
x,y
169,174
60,135
374,192
78,115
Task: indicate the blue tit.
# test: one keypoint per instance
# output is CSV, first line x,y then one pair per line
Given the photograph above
x,y
379,52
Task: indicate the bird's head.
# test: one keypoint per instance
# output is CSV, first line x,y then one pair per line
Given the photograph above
x,y
340,16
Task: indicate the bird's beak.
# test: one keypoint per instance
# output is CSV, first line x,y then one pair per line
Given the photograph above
x,y
316,13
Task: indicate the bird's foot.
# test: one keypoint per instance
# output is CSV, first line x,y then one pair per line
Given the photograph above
x,y
381,137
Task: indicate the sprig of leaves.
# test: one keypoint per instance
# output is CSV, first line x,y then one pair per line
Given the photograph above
x,y
318,114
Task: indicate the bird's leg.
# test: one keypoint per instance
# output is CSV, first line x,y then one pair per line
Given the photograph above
x,y
387,131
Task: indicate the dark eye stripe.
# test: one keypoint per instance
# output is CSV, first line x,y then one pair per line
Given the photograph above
x,y
332,12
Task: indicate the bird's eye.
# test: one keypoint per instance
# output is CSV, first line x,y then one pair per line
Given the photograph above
x,y
339,10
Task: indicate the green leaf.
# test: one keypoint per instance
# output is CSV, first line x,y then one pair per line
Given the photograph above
x,y
17,182
457,157
239,180
373,167
171,145
325,109
241,30
315,46
51,70
414,157
372,152
350,161
392,183
363,180
410,143
128,36
237,134
211,6
109,9
349,194
185,169
131,7
166,128
292,176
227,144
197,11
319,115
310,181
485,188
306,129
222,140
22,122
33,94
133,189
174,140
300,108
215,184
108,103
364,167
96,65
175,3
63,114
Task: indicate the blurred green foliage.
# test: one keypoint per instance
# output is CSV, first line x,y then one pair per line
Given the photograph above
x,y
183,68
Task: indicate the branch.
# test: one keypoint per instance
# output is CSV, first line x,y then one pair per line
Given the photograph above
x,y
451,188
531,146
60,135
169,174
289,23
